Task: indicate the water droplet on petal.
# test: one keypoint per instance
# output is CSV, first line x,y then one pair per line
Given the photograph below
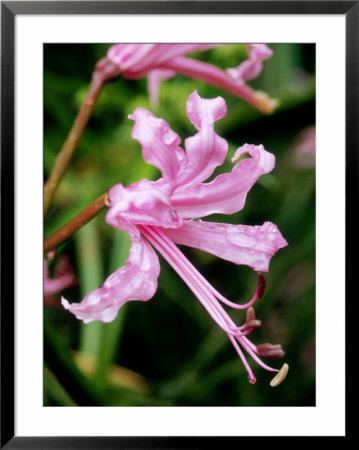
x,y
243,240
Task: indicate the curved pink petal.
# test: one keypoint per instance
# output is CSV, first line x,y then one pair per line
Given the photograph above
x,y
154,79
137,280
160,145
206,150
253,246
213,75
145,202
136,60
251,67
227,192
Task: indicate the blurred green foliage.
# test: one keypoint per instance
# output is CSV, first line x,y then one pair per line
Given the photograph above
x,y
168,351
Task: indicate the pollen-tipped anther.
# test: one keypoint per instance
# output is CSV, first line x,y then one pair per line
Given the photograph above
x,y
280,376
264,103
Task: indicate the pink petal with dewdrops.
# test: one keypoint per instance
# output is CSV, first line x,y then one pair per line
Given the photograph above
x,y
205,150
253,246
227,193
160,145
137,280
145,202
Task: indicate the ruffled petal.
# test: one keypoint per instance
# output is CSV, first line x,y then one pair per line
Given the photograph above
x,y
206,150
251,67
227,192
137,280
145,202
160,145
136,60
154,79
253,246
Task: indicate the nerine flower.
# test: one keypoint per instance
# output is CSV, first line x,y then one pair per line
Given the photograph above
x,y
160,214
162,61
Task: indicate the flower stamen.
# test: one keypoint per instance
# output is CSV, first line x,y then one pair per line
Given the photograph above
x,y
201,288
258,294
280,375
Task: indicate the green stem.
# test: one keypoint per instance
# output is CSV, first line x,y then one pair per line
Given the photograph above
x,y
78,222
104,71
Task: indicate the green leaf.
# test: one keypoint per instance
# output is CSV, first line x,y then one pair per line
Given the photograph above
x,y
91,277
112,331
58,358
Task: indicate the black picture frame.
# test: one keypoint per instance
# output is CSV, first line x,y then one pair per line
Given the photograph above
x,y
9,10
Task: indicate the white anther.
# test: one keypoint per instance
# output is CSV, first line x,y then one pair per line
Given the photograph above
x,y
280,375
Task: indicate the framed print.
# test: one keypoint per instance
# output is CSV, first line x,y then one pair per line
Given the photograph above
x,y
177,186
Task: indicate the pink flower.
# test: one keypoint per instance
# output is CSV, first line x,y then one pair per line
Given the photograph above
x,y
64,277
162,61
159,214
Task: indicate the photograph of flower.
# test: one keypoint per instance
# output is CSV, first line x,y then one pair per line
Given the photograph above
x,y
179,224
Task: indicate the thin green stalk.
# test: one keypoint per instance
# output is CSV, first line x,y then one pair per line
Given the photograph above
x,y
91,276
75,224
